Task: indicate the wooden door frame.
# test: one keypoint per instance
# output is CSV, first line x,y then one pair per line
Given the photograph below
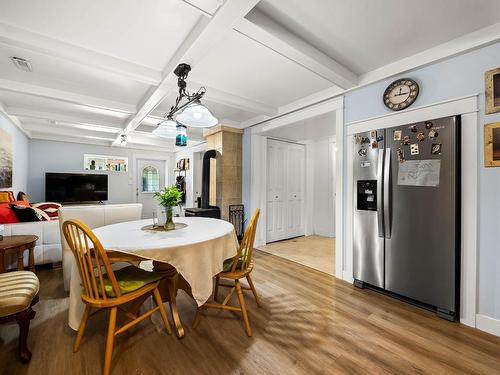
x,y
258,169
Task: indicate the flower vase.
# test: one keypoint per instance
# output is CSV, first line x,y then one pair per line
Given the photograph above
x,y
169,222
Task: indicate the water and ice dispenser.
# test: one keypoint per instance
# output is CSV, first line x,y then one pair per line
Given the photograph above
x,y
367,195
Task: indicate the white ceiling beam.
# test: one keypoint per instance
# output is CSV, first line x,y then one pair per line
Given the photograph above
x,y
20,38
205,34
265,31
235,101
14,120
64,130
91,140
66,96
61,117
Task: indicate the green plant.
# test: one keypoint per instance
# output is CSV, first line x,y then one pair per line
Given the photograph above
x,y
169,197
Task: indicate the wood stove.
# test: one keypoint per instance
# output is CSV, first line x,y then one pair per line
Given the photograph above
x,y
206,210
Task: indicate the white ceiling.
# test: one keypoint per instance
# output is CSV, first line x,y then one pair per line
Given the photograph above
x,y
101,68
365,34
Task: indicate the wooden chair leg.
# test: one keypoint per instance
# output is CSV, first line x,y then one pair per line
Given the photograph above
x,y
109,340
23,320
196,320
163,314
216,288
81,329
250,283
241,298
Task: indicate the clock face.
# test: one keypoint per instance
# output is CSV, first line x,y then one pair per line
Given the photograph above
x,y
401,94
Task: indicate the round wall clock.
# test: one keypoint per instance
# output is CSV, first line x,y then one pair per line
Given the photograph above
x,y
401,94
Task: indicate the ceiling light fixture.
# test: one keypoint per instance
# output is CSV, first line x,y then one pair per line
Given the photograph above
x,y
123,140
181,138
22,64
189,113
166,128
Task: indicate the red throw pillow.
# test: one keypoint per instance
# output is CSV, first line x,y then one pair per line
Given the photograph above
x,y
7,215
50,208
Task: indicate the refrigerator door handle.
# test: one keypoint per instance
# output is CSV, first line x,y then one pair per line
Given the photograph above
x,y
387,193
380,214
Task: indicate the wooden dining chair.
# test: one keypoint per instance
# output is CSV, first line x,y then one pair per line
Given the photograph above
x,y
236,268
104,289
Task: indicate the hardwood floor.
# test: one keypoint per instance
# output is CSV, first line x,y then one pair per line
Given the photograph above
x,y
313,251
310,323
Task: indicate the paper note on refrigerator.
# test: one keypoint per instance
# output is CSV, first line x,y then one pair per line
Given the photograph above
x,y
419,172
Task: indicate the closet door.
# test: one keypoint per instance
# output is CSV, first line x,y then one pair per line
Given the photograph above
x,y
285,190
276,190
295,190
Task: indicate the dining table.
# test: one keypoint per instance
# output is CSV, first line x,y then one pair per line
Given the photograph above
x,y
188,256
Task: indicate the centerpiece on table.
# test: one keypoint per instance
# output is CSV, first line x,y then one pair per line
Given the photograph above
x,y
169,198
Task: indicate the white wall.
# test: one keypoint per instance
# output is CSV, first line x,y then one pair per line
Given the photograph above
x,y
54,156
459,76
19,154
323,185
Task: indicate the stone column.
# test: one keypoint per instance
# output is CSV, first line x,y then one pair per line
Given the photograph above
x,y
227,142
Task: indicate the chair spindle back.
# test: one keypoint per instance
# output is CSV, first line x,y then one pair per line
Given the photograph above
x,y
91,259
244,256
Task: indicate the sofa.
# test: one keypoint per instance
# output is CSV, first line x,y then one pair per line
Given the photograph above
x,y
94,216
51,246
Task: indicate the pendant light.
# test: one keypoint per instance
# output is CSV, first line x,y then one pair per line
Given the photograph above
x,y
188,111
196,115
181,138
166,129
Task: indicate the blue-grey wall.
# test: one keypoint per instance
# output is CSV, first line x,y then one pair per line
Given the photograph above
x,y
459,76
19,153
55,156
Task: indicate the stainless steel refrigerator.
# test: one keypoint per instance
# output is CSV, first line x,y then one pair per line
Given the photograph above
x,y
407,213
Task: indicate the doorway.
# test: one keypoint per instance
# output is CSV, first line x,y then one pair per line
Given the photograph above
x,y
300,200
150,178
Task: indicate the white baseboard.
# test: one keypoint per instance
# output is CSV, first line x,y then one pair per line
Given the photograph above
x,y
488,324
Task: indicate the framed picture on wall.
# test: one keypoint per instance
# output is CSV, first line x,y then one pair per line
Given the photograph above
x,y
492,145
492,85
5,160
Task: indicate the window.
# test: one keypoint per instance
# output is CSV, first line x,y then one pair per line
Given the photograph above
x,y
150,179
105,163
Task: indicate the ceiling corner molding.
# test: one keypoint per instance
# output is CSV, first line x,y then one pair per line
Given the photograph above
x,y
14,121
468,42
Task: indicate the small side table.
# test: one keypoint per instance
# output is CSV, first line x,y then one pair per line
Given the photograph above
x,y
18,244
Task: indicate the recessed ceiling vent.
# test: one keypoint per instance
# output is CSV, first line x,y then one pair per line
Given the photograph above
x,y
22,64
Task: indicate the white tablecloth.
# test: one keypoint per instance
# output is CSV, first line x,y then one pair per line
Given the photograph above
x,y
197,252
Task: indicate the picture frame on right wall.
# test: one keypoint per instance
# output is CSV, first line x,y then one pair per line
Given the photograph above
x,y
492,145
492,88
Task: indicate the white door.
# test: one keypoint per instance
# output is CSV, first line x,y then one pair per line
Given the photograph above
x,y
150,179
295,190
285,190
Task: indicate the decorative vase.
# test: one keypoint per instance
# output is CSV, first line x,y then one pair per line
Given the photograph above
x,y
169,222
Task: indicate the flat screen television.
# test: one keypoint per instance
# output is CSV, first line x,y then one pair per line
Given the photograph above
x,y
76,187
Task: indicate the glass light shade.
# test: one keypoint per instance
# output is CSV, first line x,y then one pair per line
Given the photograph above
x,y
196,115
181,138
166,129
